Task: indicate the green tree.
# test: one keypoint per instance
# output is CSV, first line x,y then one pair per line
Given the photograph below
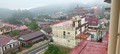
x,y
33,26
14,33
52,49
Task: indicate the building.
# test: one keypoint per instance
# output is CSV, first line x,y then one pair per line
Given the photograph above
x,y
8,44
94,29
96,10
58,15
7,28
23,28
47,31
44,24
90,47
78,11
32,38
68,33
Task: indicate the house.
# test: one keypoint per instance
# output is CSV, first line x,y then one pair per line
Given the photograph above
x,y
66,32
90,47
23,28
94,29
47,30
7,28
8,44
32,38
104,23
44,24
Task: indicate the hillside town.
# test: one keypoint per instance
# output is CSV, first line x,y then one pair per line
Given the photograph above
x,y
85,30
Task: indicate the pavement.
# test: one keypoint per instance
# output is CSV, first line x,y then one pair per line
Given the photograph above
x,y
36,48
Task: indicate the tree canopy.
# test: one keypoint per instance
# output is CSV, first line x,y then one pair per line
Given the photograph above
x,y
33,26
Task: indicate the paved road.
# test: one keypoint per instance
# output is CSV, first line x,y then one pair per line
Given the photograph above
x,y
37,49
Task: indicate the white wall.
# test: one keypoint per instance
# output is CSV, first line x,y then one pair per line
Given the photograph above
x,y
1,51
83,28
78,31
95,36
89,38
82,21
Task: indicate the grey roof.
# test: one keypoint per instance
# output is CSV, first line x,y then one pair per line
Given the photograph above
x,y
32,35
47,29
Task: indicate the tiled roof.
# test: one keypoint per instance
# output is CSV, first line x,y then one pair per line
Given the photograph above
x,y
32,35
92,21
4,40
88,47
23,27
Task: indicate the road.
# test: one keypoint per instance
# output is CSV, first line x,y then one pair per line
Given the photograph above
x,y
37,49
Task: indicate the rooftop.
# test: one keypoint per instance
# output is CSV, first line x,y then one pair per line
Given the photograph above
x,y
4,40
67,23
92,21
23,27
89,47
31,35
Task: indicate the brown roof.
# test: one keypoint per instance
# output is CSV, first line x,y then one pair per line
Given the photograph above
x,y
4,40
32,35
92,21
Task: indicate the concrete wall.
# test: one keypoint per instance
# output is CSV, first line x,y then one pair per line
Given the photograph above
x,y
1,52
95,36
67,40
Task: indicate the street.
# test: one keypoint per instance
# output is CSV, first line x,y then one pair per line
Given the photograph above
x,y
37,49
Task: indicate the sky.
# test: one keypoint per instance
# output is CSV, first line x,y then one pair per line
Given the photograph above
x,y
26,4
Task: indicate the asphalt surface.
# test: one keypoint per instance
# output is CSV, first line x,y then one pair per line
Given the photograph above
x,y
37,49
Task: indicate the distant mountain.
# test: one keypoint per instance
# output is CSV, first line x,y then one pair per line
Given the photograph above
x,y
63,7
67,8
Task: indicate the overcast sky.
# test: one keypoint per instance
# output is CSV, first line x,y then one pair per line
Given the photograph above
x,y
16,4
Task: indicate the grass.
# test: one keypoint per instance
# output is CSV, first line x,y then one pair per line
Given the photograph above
x,y
64,49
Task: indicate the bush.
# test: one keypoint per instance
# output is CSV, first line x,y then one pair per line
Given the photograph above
x,y
52,49
27,45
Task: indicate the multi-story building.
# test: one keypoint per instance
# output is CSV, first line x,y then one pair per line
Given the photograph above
x,y
94,28
68,33
96,10
8,44
78,11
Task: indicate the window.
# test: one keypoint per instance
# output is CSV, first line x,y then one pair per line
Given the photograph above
x,y
10,46
92,36
68,40
64,34
5,48
75,32
68,32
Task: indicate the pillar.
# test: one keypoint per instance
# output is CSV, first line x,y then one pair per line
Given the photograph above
x,y
118,38
113,32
